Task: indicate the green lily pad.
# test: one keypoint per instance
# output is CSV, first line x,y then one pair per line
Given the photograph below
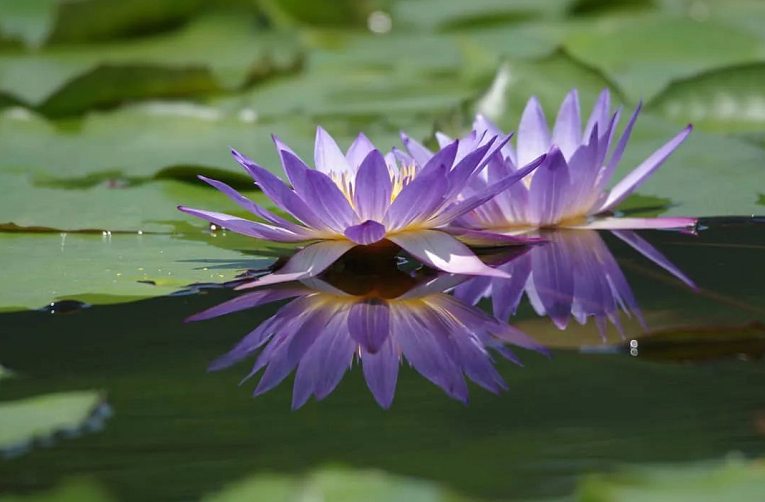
x,y
136,142
729,168
43,268
214,53
337,485
451,14
176,139
549,79
28,22
706,482
724,100
645,53
25,421
106,207
71,490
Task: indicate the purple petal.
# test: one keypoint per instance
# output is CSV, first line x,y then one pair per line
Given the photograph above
x,y
366,233
248,301
443,140
295,169
533,134
418,200
549,189
358,150
483,124
633,180
643,247
554,281
637,223
442,158
457,210
381,372
419,153
600,113
254,208
322,368
506,294
372,188
465,168
616,156
442,251
327,155
287,357
476,362
328,202
369,323
279,193
421,336
481,238
308,262
245,227
567,133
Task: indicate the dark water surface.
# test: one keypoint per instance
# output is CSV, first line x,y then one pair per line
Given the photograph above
x,y
692,392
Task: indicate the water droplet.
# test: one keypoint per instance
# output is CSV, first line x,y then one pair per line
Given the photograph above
x,y
65,307
140,232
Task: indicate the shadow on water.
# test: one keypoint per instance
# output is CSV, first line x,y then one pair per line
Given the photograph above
x,y
178,432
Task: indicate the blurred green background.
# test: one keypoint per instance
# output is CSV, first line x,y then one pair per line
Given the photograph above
x,y
109,108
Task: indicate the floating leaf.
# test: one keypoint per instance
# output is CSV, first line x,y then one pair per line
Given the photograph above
x,y
98,269
38,418
106,206
549,79
644,53
451,14
723,100
703,482
212,54
337,485
73,490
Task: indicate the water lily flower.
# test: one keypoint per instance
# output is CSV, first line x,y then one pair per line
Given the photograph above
x,y
569,189
376,320
362,198
572,275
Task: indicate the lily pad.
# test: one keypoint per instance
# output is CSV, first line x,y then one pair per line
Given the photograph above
x,y
645,53
723,100
211,54
337,485
25,421
457,14
71,490
106,207
180,139
102,269
549,79
135,142
707,482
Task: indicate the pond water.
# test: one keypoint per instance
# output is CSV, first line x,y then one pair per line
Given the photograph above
x,y
684,387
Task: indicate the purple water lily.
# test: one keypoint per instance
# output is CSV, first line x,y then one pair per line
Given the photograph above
x,y
572,275
569,189
376,321
362,197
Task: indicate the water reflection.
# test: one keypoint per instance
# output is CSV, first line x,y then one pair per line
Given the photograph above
x,y
374,313
573,275
370,309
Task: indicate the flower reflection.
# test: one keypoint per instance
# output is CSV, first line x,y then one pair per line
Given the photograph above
x,y
376,318
573,275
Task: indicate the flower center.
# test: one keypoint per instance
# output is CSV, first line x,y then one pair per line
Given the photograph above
x,y
399,178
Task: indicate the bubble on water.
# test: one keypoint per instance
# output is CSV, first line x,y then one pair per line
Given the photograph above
x,y
379,22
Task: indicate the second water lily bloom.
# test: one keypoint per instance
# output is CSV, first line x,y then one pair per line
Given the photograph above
x,y
570,189
362,197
